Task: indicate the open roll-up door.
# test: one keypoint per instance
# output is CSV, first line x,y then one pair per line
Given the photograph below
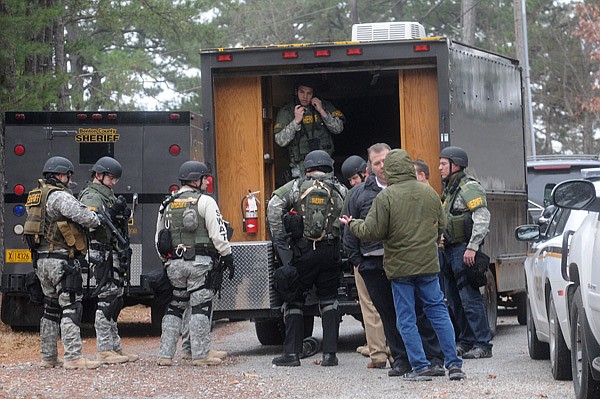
x,y
239,149
419,121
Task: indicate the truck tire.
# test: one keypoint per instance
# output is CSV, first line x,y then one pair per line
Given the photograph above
x,y
272,331
583,381
537,349
490,299
19,313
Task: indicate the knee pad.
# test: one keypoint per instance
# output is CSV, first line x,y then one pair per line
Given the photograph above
x,y
328,305
203,308
73,312
175,311
108,306
52,310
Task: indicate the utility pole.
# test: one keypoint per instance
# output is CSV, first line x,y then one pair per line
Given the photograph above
x,y
523,57
467,10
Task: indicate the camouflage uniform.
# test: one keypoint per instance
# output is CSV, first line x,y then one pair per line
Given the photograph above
x,y
463,199
317,263
314,128
60,306
103,246
188,278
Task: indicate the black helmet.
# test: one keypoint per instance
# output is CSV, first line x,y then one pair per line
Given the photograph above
x,y
308,81
353,165
318,158
456,155
192,170
58,165
108,165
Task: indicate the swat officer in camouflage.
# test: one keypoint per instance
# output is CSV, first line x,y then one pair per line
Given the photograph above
x,y
307,124
54,231
106,258
303,221
465,205
196,253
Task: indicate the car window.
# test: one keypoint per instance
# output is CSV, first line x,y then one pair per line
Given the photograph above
x,y
558,222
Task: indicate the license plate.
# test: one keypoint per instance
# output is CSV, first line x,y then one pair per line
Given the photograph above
x,y
18,256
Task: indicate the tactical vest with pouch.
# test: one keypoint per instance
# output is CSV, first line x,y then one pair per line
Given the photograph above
x,y
189,236
40,230
458,229
320,205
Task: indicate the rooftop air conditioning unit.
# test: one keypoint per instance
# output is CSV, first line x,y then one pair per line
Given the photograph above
x,y
387,31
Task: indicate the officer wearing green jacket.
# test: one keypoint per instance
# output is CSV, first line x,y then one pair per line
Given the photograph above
x,y
109,262
307,124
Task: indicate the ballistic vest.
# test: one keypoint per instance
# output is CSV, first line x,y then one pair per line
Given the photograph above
x,y
99,198
40,230
456,230
320,205
186,226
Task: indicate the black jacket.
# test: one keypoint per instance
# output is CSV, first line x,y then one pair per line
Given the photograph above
x,y
359,202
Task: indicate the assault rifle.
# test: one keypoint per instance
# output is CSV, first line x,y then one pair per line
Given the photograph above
x,y
122,237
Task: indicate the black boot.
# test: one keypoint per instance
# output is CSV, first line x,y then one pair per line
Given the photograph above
x,y
329,359
287,359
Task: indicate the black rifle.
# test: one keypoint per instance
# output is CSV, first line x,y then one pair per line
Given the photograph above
x,y
122,236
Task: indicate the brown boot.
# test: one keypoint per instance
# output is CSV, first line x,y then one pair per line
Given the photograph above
x,y
130,356
216,353
186,356
110,357
48,364
206,361
82,363
165,361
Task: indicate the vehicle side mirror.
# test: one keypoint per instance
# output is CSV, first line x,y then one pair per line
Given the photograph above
x,y
546,215
528,232
576,194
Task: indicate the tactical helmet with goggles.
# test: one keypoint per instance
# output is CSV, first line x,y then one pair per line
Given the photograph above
x,y
58,165
456,155
318,159
353,165
108,165
192,170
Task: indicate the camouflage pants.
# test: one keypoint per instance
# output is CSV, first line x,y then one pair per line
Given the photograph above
x,y
107,332
50,272
187,277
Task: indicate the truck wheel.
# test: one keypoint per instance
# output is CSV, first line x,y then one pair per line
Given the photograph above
x,y
270,331
521,303
537,349
583,381
560,356
490,299
157,312
19,313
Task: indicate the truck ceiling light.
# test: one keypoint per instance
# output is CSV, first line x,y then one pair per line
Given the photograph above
x,y
81,117
421,48
97,117
174,117
18,210
354,51
322,53
224,58
174,150
290,54
173,187
112,117
18,229
19,189
19,150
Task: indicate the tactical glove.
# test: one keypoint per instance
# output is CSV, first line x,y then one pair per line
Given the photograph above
x,y
226,262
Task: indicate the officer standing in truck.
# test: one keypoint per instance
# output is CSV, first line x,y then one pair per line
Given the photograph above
x,y
109,259
303,220
464,202
307,124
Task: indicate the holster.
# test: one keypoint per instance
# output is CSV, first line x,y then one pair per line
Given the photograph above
x,y
34,287
72,280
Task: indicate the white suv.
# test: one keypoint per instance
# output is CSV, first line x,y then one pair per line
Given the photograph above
x,y
547,315
582,267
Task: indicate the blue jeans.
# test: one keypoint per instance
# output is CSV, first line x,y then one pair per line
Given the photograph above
x,y
427,289
465,301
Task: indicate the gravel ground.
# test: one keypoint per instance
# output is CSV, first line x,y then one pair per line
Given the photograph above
x,y
248,372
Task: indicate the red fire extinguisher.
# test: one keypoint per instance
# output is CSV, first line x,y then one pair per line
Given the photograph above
x,y
249,208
